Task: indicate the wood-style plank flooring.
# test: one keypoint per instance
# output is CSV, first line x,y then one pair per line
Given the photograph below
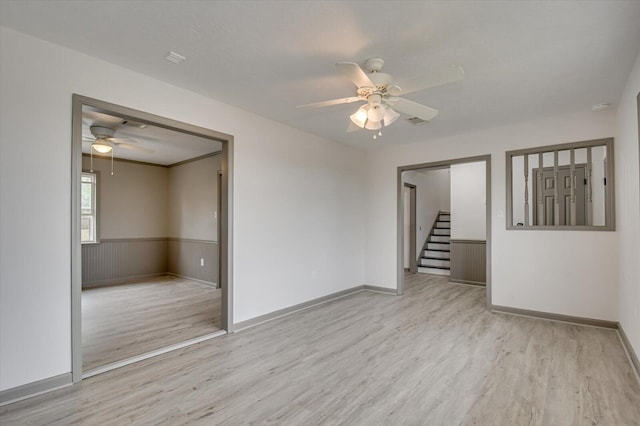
x,y
434,356
125,320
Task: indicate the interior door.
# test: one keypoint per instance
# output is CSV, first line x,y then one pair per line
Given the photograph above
x,y
545,214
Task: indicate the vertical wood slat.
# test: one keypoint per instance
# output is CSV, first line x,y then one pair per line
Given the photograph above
x,y
468,261
121,259
572,182
589,212
526,190
540,199
556,196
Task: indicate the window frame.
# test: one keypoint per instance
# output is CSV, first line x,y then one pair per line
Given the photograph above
x,y
609,201
94,205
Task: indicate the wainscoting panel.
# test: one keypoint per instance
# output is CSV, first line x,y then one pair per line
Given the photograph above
x,y
185,258
116,260
468,261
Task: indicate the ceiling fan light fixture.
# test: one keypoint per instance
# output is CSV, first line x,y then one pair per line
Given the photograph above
x,y
359,118
390,116
373,125
102,146
376,113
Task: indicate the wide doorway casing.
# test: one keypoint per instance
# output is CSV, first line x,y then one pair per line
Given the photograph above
x,y
225,210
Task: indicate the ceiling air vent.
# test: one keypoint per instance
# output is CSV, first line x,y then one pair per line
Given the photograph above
x,y
174,57
415,121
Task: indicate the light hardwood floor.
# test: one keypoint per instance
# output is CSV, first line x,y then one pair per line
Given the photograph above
x,y
434,356
125,320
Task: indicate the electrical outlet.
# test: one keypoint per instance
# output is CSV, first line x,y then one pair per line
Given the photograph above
x,y
202,261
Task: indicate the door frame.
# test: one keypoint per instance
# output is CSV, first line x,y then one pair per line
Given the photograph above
x,y
400,214
413,261
225,218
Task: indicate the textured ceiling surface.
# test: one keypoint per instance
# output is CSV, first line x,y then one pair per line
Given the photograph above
x,y
150,144
522,59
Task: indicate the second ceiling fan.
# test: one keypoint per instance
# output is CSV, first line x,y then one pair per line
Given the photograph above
x,y
383,96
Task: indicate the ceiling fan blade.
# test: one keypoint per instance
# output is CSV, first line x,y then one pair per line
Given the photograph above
x,y
440,77
88,139
332,102
97,118
123,140
354,73
415,109
133,147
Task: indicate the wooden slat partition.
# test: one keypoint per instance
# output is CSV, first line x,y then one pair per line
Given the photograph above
x,y
115,260
468,261
118,260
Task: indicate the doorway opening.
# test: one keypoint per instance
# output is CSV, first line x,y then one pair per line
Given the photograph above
x,y
454,244
151,235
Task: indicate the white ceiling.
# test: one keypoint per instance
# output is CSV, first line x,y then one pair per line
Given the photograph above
x,y
168,146
522,59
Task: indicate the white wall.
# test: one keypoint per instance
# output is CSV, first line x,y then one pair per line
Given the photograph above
x,y
133,202
628,207
298,200
432,196
468,201
193,199
581,273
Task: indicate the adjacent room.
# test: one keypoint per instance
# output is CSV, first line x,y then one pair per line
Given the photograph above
x,y
149,232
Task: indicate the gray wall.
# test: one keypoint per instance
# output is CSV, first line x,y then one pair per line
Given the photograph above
x,y
153,220
133,202
192,198
185,256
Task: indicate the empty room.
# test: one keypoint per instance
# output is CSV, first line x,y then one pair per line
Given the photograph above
x,y
324,212
148,220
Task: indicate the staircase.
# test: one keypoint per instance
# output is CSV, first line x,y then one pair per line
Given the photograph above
x,y
435,257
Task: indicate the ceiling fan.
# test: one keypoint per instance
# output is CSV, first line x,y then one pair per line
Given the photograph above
x,y
103,141
382,95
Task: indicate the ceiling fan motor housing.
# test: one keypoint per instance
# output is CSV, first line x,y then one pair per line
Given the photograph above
x,y
374,64
101,132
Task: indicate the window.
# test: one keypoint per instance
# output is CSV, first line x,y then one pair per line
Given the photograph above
x,y
88,212
568,186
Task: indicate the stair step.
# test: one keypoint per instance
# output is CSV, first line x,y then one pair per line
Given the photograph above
x,y
438,246
439,238
442,225
433,271
435,254
435,263
441,231
444,217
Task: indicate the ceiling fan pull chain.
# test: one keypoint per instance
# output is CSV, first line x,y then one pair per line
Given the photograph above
x,y
91,160
112,162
